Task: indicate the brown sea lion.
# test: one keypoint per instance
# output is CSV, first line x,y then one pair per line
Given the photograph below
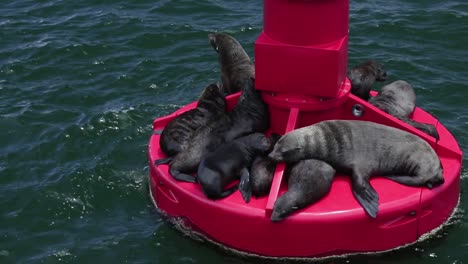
x,y
234,62
399,100
178,133
250,115
364,149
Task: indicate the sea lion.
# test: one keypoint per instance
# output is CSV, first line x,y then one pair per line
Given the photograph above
x,y
250,115
399,100
178,133
229,162
234,62
309,181
362,77
364,149
262,171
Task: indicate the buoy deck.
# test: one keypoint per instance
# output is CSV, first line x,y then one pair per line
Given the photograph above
x,y
336,224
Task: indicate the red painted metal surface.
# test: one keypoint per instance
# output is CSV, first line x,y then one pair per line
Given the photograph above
x,y
303,49
301,60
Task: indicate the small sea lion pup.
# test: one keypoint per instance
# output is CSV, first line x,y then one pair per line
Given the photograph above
x,y
262,171
364,149
250,115
234,62
362,77
399,100
309,181
230,162
178,133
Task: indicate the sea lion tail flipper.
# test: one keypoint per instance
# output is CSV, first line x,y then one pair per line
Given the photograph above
x,y
366,196
158,131
182,176
229,191
163,161
244,185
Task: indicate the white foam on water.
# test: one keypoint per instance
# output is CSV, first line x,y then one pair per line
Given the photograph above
x,y
464,174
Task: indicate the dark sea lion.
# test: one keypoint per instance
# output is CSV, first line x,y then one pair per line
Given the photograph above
x,y
399,100
309,181
362,77
250,115
234,62
178,133
262,172
230,162
364,149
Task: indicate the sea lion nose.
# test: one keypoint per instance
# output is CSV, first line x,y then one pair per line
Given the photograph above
x,y
274,156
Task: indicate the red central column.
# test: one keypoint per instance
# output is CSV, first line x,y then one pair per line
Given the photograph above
x,y
303,49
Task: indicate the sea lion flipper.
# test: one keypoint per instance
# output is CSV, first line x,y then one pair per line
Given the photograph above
x,y
370,204
163,161
244,185
429,129
182,176
229,191
407,180
366,195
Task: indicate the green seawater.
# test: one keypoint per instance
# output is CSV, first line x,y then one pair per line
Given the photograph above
x,y
82,81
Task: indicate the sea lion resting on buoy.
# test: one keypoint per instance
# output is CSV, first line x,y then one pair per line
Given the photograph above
x,y
178,133
309,181
262,171
250,115
364,149
234,62
229,162
399,100
362,77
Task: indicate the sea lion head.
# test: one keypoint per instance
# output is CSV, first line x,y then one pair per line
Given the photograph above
x,y
212,98
364,75
284,206
380,72
289,148
223,43
264,143
213,41
368,69
258,141
230,51
210,91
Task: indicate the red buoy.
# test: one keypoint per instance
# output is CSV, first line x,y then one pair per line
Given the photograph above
x,y
300,65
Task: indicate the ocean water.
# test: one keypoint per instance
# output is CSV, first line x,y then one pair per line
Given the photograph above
x,y
82,81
